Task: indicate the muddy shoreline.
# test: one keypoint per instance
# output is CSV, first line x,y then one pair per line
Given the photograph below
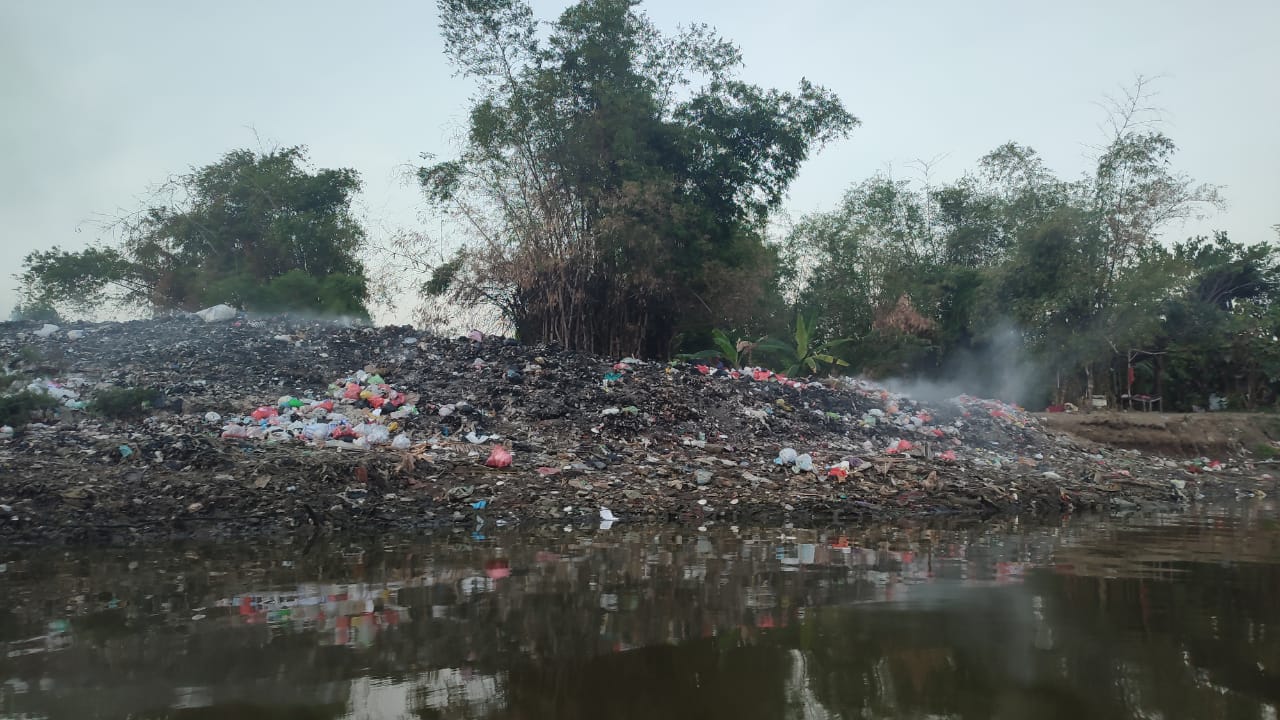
x,y
650,442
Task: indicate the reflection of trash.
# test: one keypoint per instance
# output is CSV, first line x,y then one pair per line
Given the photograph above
x,y
476,585
607,518
497,569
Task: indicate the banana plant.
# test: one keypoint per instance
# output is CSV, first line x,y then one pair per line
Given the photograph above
x,y
801,357
733,353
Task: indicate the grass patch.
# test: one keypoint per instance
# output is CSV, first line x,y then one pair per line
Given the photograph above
x,y
17,409
123,403
30,355
1266,451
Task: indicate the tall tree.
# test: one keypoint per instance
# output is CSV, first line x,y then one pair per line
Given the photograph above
x,y
259,230
1135,191
614,182
1075,266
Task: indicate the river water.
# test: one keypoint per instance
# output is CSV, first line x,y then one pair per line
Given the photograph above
x,y
1165,616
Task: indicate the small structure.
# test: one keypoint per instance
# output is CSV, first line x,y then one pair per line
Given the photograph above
x,y
1145,401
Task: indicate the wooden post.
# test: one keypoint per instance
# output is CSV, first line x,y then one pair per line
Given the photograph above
x,y
1160,375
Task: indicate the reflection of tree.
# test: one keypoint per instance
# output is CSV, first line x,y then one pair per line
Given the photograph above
x,y
969,660
695,680
1206,646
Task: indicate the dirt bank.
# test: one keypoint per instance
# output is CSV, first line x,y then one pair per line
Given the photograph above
x,y
280,426
1214,435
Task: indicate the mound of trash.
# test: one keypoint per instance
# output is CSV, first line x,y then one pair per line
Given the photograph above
x,y
267,424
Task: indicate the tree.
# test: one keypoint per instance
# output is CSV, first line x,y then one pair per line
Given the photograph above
x,y
260,231
1135,191
1072,269
614,183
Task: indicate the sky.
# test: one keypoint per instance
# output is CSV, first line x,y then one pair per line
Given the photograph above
x,y
104,100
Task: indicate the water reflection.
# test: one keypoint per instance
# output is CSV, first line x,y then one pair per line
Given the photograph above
x,y
1167,616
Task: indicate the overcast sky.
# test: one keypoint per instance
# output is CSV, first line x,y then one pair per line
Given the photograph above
x,y
102,100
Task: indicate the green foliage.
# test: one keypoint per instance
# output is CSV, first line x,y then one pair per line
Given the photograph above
x,y
725,349
257,230
35,313
802,356
30,355
614,181
1074,267
121,403
18,409
443,275
296,291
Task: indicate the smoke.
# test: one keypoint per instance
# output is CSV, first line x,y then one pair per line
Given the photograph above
x,y
998,367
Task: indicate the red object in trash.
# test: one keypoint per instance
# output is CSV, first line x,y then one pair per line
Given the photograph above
x,y
499,457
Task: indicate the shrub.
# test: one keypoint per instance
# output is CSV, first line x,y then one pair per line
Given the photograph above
x,y
16,409
121,403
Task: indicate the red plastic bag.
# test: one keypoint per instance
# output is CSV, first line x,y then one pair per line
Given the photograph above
x,y
499,457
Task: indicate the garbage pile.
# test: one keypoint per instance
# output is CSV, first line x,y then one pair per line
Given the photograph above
x,y
360,412
250,432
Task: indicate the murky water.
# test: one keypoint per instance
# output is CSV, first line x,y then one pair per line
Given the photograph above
x,y
1151,617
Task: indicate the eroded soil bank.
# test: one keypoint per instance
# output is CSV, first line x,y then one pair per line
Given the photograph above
x,y
1217,434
